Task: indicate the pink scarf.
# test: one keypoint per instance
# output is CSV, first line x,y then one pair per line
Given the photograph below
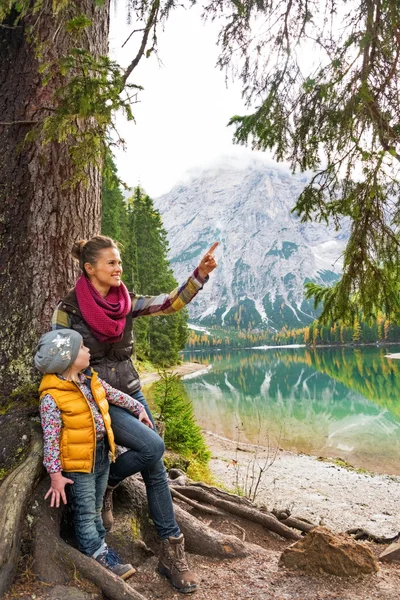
x,y
106,317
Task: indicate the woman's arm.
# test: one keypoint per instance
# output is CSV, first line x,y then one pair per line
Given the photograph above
x,y
165,304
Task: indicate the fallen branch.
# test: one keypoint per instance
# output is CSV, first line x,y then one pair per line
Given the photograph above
x,y
241,529
15,493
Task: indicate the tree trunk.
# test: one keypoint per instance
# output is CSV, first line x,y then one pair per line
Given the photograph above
x,y
39,218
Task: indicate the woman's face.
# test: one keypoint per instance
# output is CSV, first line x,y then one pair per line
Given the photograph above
x,y
107,270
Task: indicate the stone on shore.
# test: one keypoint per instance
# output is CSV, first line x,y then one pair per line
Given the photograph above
x,y
323,551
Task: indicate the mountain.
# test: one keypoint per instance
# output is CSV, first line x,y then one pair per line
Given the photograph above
x,y
265,255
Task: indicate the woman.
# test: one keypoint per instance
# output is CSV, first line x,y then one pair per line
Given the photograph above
x,y
101,309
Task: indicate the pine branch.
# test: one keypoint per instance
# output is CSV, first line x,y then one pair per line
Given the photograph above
x,y
152,20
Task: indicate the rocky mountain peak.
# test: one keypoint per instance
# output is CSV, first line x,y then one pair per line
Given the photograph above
x,y
265,255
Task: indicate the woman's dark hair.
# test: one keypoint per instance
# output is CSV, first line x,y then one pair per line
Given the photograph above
x,y
87,251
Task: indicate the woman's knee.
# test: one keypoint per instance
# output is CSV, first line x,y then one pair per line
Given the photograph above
x,y
156,448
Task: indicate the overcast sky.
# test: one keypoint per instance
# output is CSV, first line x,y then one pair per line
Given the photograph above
x,y
184,109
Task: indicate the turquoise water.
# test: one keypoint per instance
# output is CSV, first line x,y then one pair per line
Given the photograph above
x,y
333,402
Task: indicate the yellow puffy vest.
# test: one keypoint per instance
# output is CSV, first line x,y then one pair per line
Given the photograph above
x,y
78,433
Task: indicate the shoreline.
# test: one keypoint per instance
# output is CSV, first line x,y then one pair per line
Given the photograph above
x,y
378,344
321,491
185,369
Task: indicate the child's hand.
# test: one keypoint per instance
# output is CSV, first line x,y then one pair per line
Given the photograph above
x,y
57,489
143,418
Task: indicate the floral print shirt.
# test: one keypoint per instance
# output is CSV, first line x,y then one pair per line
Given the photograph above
x,y
50,416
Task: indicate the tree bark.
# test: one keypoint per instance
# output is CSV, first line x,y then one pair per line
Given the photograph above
x,y
40,217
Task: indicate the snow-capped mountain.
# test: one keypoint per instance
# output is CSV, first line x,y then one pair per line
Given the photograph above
x,y
265,254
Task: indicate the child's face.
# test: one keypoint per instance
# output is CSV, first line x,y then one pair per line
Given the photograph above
x,y
83,359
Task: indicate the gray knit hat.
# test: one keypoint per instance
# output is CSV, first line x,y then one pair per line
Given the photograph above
x,y
57,350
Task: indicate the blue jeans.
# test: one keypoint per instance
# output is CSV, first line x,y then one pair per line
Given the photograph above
x,y
86,498
146,449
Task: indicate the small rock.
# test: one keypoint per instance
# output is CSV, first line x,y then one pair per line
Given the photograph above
x,y
337,554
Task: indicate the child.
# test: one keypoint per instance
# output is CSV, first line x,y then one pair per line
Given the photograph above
x,y
78,437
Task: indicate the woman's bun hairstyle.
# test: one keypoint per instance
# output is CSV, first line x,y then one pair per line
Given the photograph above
x,y
77,249
87,251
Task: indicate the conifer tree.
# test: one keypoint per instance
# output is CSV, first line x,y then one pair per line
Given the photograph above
x,y
138,226
160,337
113,208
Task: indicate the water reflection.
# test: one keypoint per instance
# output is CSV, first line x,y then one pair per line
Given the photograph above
x,y
331,402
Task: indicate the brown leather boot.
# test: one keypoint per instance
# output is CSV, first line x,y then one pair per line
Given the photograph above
x,y
107,511
173,564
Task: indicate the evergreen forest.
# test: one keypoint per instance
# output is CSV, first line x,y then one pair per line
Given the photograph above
x,y
363,331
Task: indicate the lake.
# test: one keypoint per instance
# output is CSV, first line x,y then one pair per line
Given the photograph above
x,y
331,402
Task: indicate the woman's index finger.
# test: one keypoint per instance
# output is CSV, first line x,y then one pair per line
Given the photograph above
x,y
211,250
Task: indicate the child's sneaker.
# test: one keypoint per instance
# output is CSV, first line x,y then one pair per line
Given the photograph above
x,y
109,559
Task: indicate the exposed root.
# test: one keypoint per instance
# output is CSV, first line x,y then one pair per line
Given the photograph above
x,y
199,538
205,509
55,561
268,520
15,493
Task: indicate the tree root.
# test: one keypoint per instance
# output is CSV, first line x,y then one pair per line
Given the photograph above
x,y
296,523
112,585
268,520
56,562
222,494
205,509
15,493
299,523
199,538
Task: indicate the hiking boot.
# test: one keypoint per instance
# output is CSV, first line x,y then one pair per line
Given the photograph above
x,y
109,559
173,564
107,510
